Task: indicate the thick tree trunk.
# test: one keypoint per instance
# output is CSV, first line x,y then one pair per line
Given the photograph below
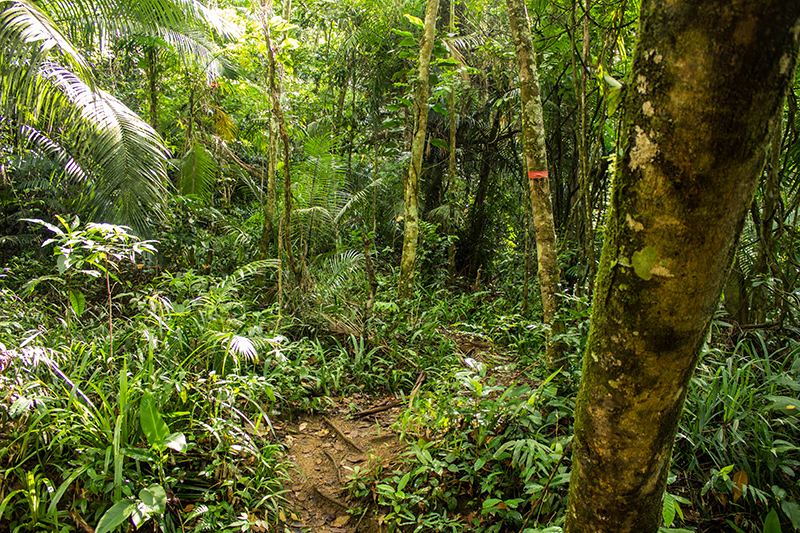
x,y
411,193
695,138
539,184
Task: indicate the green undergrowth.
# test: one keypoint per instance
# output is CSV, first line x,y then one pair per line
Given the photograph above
x,y
737,448
162,417
483,457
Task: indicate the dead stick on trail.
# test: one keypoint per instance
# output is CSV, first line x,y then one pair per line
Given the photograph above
x,y
342,435
378,409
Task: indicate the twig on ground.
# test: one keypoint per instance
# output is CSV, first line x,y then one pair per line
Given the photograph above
x,y
335,465
378,409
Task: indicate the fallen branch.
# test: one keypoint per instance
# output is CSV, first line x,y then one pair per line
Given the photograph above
x,y
378,409
335,465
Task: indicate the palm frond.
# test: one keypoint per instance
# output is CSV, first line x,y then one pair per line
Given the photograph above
x,y
23,23
198,171
333,271
37,140
445,214
358,199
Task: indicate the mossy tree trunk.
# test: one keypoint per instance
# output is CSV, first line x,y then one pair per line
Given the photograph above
x,y
268,228
706,91
533,139
411,193
275,88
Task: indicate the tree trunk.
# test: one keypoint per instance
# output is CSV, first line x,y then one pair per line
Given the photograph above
x,y
411,193
268,229
539,184
451,163
275,95
152,84
694,145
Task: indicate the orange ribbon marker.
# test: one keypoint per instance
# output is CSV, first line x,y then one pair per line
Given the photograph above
x,y
537,174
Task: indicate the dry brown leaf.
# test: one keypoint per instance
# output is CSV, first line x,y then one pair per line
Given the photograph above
x,y
739,483
341,521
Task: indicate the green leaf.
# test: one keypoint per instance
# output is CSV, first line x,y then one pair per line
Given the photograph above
x,y
77,301
175,441
792,510
668,510
614,100
154,498
117,514
784,405
19,406
440,143
772,523
404,481
153,425
490,504
610,80
415,21
139,454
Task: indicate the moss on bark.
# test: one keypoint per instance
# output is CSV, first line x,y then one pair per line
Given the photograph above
x,y
696,129
411,191
535,152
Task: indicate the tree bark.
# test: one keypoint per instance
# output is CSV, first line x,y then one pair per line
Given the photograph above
x,y
152,83
411,192
268,229
539,184
695,134
275,86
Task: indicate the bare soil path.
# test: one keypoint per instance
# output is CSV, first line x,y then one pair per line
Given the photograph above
x,y
326,449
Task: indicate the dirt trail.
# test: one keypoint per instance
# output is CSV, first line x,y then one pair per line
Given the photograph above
x,y
326,449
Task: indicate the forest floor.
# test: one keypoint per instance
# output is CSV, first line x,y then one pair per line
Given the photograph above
x,y
326,450
356,433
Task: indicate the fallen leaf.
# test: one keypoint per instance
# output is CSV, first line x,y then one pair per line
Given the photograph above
x,y
341,521
739,482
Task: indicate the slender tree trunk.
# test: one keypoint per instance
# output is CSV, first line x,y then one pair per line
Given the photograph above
x,y
451,163
275,96
268,229
583,147
539,184
477,247
764,263
411,193
152,84
694,145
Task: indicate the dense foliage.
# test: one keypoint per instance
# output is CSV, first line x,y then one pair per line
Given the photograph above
x,y
142,366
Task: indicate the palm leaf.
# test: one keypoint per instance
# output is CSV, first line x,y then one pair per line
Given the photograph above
x,y
22,22
198,171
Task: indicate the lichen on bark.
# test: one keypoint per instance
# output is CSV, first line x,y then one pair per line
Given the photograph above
x,y
694,144
535,154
